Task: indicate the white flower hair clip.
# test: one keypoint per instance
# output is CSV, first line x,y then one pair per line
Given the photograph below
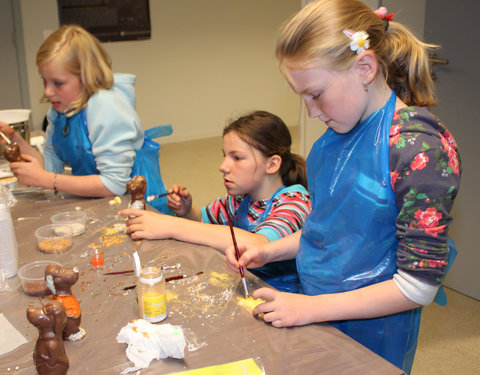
x,y
359,40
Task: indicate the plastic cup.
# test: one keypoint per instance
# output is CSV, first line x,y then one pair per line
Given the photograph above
x,y
75,219
54,238
97,259
32,277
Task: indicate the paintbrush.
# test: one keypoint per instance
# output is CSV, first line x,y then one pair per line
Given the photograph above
x,y
167,279
153,197
9,142
237,255
132,271
178,277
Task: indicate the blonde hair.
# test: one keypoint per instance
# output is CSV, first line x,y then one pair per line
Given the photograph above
x,y
81,54
316,32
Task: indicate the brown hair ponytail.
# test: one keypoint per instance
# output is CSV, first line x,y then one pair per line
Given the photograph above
x,y
269,134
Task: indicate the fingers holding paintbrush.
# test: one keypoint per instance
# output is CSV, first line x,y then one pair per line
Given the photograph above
x,y
237,256
179,200
251,256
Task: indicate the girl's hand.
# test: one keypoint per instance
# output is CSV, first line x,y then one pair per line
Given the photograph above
x,y
31,173
179,201
147,224
284,309
250,257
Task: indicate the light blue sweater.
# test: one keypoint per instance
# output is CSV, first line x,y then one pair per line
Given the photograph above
x,y
114,130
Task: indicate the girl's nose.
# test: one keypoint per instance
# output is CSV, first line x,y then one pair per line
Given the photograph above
x,y
223,165
48,90
313,110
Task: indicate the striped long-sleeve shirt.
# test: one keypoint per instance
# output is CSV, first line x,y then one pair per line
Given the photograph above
x,y
289,209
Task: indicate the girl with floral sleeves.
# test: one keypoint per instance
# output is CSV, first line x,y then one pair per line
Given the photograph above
x,y
382,178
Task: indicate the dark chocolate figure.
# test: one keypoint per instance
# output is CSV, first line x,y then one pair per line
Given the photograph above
x,y
60,280
137,188
49,354
12,153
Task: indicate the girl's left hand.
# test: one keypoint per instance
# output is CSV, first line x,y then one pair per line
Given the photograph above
x,y
284,309
31,173
147,224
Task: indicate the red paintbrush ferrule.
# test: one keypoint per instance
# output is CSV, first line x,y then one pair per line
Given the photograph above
x,y
178,277
242,272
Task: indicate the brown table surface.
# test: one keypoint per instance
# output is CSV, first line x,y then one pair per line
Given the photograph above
x,y
218,330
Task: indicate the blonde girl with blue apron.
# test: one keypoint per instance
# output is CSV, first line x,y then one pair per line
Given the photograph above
x,y
383,179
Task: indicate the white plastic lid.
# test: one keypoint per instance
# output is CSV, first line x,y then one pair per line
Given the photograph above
x,y
14,116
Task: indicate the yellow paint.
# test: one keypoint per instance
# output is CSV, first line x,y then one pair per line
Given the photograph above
x,y
249,303
220,279
170,296
243,367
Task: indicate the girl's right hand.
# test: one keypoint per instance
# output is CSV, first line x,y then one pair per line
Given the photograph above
x,y
250,257
29,172
179,200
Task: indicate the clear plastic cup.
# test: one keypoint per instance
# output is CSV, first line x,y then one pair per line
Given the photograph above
x,y
32,277
96,258
76,219
54,238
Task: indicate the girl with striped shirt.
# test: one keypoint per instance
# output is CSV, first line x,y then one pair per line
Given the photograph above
x,y
266,197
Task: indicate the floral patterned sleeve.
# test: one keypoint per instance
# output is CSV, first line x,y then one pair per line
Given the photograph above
x,y
425,174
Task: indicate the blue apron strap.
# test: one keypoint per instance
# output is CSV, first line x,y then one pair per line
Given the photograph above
x,y
441,297
159,131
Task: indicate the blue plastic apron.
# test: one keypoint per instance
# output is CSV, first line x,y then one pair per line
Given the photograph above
x,y
72,145
348,241
281,275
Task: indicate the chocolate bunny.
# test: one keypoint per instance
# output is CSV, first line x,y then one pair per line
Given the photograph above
x,y
12,153
137,188
60,281
49,355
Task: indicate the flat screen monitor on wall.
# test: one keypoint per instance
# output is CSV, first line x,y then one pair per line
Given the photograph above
x,y
108,20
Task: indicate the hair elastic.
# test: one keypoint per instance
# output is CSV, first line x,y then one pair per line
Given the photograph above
x,y
382,13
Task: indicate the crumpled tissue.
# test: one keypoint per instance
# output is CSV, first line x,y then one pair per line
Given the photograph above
x,y
10,338
147,341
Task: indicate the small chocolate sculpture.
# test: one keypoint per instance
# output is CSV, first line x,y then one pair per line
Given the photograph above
x,y
12,153
60,280
49,354
137,188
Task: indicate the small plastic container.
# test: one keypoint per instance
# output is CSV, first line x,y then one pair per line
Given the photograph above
x,y
97,259
32,277
76,219
54,238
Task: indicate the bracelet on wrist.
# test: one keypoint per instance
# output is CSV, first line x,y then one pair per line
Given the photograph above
x,y
55,184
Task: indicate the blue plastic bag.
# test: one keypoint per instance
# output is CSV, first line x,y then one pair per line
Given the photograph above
x,y
147,165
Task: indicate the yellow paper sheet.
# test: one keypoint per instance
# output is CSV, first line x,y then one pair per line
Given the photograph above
x,y
244,367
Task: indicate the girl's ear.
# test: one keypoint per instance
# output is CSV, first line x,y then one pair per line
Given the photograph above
x,y
274,164
367,65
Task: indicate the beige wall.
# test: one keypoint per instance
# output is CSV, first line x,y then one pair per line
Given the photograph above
x,y
206,61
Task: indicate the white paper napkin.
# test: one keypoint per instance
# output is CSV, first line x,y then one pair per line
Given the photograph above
x,y
147,341
10,338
